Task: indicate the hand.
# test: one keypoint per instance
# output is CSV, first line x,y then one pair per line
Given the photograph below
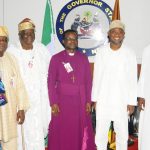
x,y
20,116
88,107
141,103
94,105
130,109
55,109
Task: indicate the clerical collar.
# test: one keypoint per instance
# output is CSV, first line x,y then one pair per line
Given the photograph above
x,y
71,54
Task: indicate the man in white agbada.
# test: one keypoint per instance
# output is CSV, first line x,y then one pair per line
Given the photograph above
x,y
13,96
114,87
33,58
144,101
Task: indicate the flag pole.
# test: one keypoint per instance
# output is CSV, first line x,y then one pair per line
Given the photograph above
x,y
23,142
116,12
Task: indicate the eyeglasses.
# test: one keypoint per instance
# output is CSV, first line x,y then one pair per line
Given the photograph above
x,y
71,39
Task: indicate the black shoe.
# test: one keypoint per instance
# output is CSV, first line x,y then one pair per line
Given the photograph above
x,y
130,142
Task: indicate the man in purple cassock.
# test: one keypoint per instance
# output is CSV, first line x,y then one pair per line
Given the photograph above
x,y
69,85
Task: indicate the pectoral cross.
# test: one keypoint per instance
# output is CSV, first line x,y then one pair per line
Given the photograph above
x,y
73,78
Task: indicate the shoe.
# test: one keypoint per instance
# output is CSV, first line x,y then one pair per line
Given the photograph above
x,y
130,142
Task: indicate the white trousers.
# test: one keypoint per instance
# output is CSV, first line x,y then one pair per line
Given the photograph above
x,y
121,130
10,145
30,139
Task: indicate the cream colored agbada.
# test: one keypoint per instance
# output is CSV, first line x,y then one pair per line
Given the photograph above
x,y
16,96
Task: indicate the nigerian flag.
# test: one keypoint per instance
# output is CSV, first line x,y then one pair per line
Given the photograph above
x,y
48,28
48,36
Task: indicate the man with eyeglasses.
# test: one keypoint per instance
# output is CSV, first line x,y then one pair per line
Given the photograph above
x,y
69,87
13,96
33,58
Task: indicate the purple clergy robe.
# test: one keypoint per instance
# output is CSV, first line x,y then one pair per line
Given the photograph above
x,y
72,128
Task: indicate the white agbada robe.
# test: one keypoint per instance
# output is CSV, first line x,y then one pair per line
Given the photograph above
x,y
34,69
144,92
114,87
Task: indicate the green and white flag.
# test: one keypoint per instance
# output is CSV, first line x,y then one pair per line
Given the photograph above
x,y
48,38
48,28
